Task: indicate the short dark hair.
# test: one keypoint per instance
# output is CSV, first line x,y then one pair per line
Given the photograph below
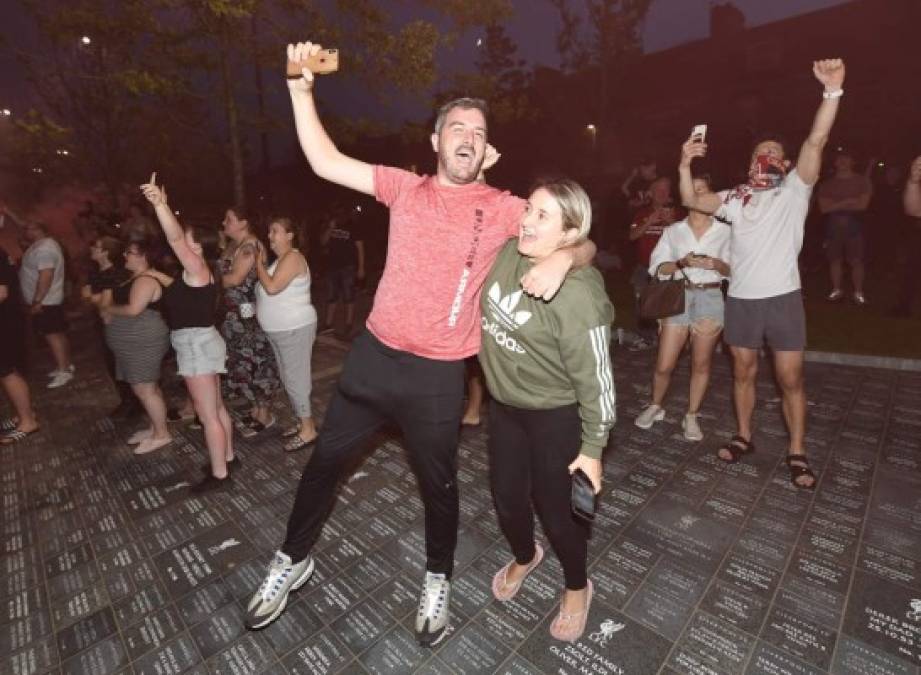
x,y
765,136
113,247
464,103
288,226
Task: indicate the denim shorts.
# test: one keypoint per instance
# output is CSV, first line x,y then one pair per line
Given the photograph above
x,y
199,351
699,304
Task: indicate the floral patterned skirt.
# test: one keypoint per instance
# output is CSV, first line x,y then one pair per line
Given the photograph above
x,y
251,369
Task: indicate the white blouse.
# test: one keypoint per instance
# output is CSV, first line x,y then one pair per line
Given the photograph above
x,y
678,240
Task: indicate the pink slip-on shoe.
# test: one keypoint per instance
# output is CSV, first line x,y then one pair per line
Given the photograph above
x,y
569,627
500,586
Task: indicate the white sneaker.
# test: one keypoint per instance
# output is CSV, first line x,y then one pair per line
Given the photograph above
x,y
61,378
691,428
432,616
272,596
653,413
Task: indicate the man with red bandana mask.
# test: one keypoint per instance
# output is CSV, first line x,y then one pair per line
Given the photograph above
x,y
767,215
407,368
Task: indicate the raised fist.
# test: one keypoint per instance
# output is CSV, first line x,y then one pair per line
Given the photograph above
x,y
830,72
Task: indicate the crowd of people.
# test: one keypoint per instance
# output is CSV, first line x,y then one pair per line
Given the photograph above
x,y
471,271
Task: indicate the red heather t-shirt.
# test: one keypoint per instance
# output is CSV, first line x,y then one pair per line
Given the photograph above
x,y
647,242
442,244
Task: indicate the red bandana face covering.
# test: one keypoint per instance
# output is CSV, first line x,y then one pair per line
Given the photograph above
x,y
768,173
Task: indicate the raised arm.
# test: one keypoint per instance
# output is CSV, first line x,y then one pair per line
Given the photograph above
x,y
708,202
830,72
322,154
912,195
193,264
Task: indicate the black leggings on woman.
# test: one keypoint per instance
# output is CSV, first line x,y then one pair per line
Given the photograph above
x,y
529,452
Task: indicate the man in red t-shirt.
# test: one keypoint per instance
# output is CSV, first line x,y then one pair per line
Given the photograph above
x,y
407,368
645,230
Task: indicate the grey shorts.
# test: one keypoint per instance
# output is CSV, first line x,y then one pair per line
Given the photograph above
x,y
780,321
199,351
700,305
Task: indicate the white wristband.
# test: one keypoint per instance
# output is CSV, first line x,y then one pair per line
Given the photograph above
x,y
837,93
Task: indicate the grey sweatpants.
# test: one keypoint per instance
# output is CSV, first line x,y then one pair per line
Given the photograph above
x,y
293,349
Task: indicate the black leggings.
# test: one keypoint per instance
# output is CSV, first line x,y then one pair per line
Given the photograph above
x,y
529,452
425,399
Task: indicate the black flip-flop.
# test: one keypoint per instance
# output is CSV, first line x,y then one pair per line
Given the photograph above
x,y
9,424
800,470
737,447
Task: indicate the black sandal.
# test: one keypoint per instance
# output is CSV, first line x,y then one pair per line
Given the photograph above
x,y
799,470
737,447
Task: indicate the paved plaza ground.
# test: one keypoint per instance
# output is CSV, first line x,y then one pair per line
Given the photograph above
x,y
107,565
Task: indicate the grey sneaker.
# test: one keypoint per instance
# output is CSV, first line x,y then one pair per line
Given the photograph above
x,y
270,600
691,428
652,414
432,616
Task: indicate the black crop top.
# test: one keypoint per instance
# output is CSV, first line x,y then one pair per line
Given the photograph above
x,y
190,306
121,294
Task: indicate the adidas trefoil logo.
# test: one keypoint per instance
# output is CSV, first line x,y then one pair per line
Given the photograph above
x,y
503,309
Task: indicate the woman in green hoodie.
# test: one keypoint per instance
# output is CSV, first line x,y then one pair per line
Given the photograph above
x,y
547,365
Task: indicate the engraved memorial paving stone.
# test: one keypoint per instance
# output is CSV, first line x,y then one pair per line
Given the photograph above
x,y
800,637
853,657
820,543
735,606
321,654
768,660
64,562
894,538
132,609
470,545
297,623
810,602
80,635
110,541
248,655
473,650
890,566
333,598
612,644
886,616
820,572
396,652
82,604
65,585
153,631
370,571
516,665
471,591
746,574
103,658
40,656
217,631
660,609
18,634
710,644
361,626
203,602
246,578
173,658
142,501
408,552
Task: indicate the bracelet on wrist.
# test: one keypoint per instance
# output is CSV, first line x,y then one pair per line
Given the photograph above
x,y
837,93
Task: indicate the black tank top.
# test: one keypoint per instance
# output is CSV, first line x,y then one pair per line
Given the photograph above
x,y
190,306
121,294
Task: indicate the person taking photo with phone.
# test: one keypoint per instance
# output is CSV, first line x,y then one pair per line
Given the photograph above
x,y
765,304
696,249
547,366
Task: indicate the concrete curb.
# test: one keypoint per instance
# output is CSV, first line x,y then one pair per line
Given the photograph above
x,y
864,361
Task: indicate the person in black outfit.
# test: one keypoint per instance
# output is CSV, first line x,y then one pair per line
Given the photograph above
x,y
107,254
13,357
345,264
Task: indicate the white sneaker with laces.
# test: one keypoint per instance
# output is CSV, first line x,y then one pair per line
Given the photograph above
x,y
271,598
860,298
61,378
432,616
691,427
652,414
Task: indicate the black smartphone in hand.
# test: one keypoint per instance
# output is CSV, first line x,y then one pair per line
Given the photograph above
x,y
583,496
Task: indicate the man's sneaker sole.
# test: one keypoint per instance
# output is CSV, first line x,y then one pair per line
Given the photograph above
x,y
284,602
432,639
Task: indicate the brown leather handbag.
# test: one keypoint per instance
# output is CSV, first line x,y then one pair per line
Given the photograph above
x,y
663,298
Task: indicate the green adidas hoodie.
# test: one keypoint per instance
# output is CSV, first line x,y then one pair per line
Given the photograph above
x,y
539,355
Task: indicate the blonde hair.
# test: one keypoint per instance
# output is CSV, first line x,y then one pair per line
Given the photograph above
x,y
575,206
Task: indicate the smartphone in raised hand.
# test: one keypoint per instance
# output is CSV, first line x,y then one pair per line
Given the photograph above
x,y
699,133
323,62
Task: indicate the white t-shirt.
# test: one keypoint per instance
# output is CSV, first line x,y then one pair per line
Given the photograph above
x,y
42,255
678,240
288,309
767,236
